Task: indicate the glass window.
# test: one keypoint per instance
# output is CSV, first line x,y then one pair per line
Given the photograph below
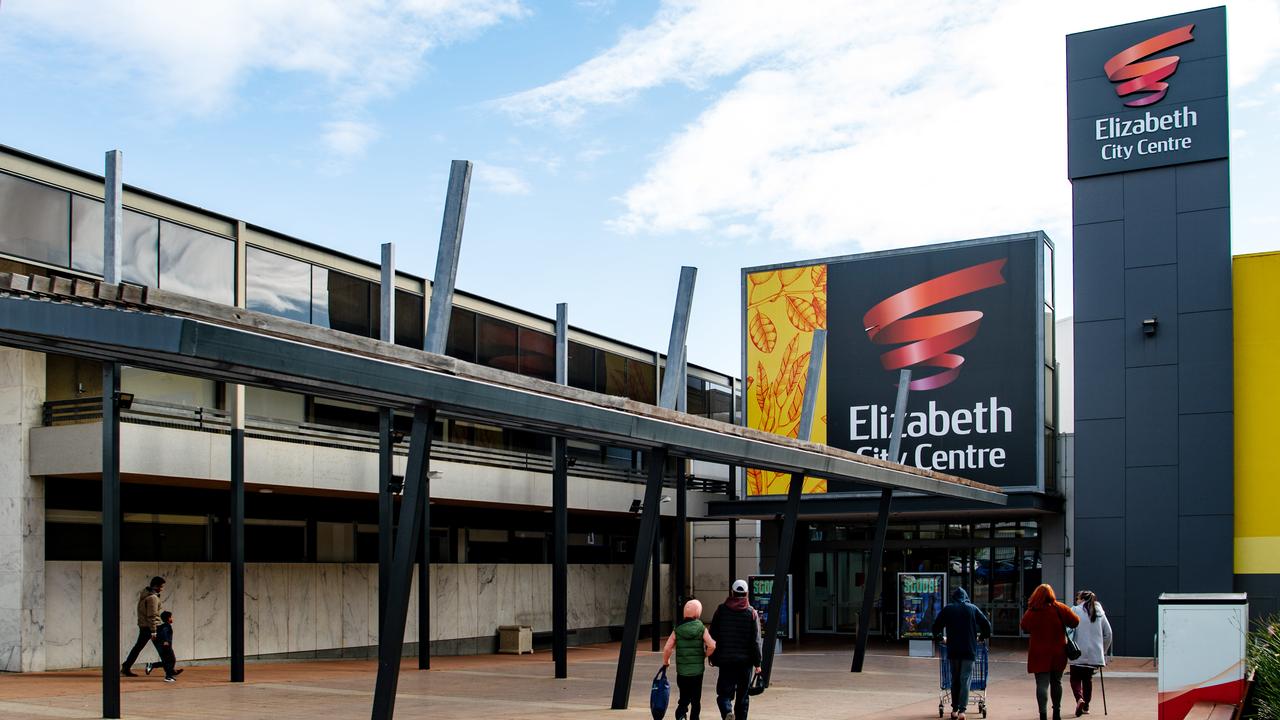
x,y
35,221
582,366
497,343
140,259
537,354
197,263
719,403
409,324
1049,337
462,335
1048,275
1048,397
341,302
696,397
642,381
611,373
278,285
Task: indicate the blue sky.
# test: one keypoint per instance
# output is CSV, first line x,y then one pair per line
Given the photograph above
x,y
613,141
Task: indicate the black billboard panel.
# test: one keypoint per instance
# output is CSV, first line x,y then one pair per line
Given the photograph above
x,y
1147,94
967,319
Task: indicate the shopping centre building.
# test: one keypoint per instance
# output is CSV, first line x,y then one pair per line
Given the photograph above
x,y
311,463
1132,439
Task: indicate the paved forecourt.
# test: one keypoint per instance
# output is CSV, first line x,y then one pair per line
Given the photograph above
x,y
809,682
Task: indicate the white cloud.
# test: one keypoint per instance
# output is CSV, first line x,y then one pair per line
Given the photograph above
x,y
501,179
349,138
192,57
861,124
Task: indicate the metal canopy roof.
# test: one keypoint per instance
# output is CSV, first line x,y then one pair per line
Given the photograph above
x,y
165,331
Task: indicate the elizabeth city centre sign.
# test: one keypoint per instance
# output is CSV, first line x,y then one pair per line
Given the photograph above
x,y
1147,94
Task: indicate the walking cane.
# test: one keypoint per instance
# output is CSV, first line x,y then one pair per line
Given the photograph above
x,y
1103,682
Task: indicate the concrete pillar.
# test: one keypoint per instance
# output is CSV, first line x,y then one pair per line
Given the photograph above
x,y
22,601
709,553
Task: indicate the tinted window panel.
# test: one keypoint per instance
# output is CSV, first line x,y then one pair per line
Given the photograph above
x,y
341,302
197,263
140,259
611,372
537,354
409,319
642,381
696,401
719,403
582,366
496,343
462,335
278,285
35,221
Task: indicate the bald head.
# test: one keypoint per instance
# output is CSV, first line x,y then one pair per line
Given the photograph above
x,y
693,609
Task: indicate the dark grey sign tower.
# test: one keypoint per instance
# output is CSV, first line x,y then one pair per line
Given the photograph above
x,y
1148,146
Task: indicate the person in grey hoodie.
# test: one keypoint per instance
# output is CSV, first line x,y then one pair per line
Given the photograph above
x,y
964,626
1093,637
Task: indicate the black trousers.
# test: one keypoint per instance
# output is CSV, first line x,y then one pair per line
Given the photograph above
x,y
731,690
144,637
167,658
690,696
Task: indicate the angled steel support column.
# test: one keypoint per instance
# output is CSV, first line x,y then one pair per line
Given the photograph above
x,y
112,232
386,419
435,340
391,637
639,568
790,516
455,215
236,529
679,335
111,540
869,595
560,514
655,588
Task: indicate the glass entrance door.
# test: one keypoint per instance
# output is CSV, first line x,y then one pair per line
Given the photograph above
x,y
820,615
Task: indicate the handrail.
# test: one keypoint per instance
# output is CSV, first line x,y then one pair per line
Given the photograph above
x,y
185,417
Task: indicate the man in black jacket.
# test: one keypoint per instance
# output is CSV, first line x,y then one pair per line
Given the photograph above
x,y
965,627
736,629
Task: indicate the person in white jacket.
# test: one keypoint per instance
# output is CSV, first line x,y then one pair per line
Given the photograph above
x,y
1093,637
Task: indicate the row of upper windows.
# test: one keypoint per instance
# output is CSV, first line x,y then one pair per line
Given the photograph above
x,y
56,227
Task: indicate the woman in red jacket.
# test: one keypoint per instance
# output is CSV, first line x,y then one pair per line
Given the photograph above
x,y
1046,621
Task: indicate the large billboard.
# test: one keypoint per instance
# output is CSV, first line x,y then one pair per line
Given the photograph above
x,y
1147,94
967,319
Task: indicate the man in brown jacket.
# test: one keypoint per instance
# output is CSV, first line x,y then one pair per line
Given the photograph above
x,y
148,622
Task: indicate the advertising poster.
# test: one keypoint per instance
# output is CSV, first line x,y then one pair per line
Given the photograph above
x,y
967,319
920,599
759,592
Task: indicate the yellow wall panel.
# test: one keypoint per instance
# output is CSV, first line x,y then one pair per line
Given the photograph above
x,y
1256,280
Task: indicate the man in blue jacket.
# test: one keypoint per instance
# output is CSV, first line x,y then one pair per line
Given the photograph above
x,y
965,626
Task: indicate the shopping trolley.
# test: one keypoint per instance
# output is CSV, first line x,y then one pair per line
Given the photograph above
x,y
977,682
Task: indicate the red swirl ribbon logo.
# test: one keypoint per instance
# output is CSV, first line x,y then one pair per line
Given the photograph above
x,y
930,338
1148,75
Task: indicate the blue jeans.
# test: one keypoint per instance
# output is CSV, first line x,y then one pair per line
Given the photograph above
x,y
961,673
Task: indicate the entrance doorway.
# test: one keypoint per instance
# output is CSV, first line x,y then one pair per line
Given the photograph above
x,y
835,585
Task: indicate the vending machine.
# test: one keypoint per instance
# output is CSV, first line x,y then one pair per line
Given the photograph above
x,y
1201,645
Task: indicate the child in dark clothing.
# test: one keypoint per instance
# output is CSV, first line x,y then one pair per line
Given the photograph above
x,y
164,646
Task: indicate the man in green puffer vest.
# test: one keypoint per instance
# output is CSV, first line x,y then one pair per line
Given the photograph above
x,y
692,644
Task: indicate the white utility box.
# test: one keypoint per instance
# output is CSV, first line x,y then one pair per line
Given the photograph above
x,y
1201,650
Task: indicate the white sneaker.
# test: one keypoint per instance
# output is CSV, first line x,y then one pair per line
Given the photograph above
x,y
171,679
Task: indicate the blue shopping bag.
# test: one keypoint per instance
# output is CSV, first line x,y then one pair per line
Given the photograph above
x,y
660,695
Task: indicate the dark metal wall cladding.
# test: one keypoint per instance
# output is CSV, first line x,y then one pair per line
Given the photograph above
x,y
1154,483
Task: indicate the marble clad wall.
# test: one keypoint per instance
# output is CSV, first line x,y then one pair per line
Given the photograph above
x,y
306,607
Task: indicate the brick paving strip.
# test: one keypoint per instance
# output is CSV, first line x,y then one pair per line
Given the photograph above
x,y
809,684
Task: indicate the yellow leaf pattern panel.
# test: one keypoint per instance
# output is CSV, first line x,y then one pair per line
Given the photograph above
x,y
783,309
